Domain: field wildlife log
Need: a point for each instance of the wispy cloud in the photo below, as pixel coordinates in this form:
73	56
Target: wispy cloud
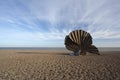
44	20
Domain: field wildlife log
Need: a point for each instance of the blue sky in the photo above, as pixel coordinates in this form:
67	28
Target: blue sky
45	23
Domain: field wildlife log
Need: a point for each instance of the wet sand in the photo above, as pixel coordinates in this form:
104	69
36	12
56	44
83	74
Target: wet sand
58	65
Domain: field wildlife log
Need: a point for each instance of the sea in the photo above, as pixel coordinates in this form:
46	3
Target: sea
56	48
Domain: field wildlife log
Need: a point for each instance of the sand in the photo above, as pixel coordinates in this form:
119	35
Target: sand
58	65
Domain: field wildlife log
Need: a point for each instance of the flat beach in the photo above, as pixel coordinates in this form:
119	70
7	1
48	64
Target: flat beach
58	65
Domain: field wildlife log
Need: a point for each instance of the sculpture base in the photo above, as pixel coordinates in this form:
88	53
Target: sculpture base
76	53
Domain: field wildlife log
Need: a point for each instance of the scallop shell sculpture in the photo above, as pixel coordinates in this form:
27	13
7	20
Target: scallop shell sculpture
80	42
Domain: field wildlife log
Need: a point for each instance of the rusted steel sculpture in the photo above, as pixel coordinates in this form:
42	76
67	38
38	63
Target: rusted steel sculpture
80	42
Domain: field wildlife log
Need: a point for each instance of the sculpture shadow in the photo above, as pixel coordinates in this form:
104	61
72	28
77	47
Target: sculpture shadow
31	53
42	53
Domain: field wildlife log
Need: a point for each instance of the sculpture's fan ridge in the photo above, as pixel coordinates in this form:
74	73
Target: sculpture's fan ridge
80	42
